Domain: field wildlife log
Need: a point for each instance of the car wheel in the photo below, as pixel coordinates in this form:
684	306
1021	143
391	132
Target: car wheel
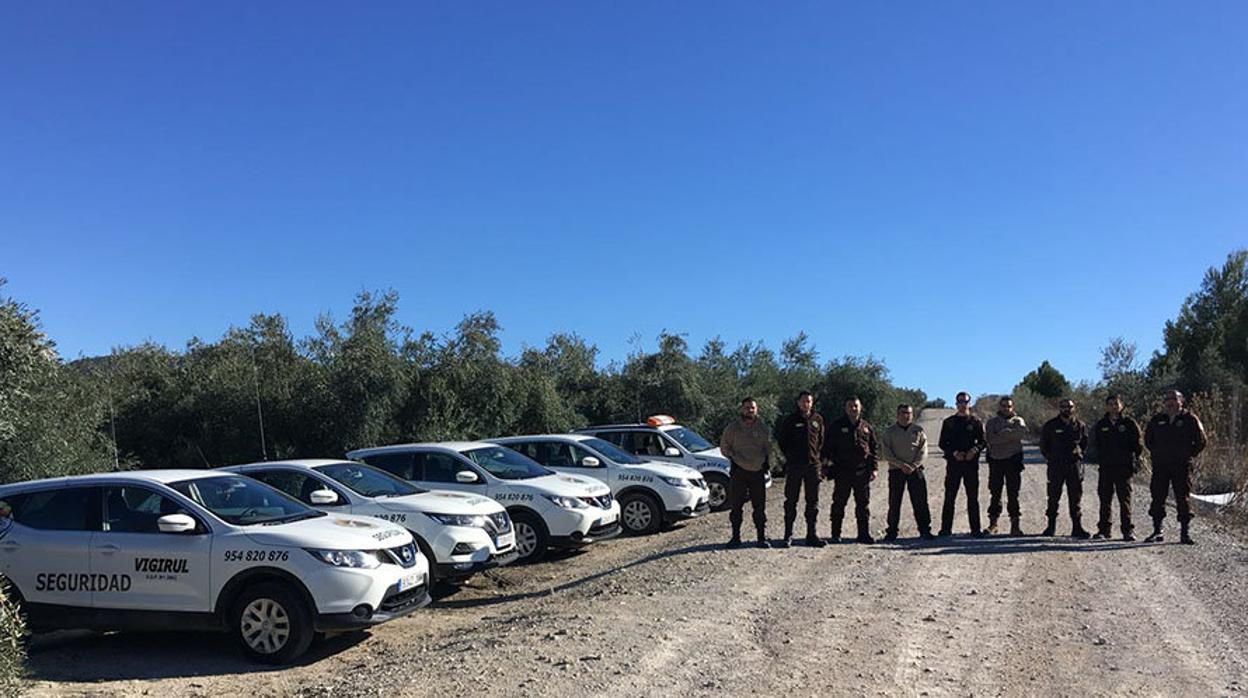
640	514
273	624
717	492
531	537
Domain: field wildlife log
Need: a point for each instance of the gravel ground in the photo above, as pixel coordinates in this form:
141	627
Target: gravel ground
676	613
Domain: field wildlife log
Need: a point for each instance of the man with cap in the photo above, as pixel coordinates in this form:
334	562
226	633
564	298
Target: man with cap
1118	450
1174	438
1063	442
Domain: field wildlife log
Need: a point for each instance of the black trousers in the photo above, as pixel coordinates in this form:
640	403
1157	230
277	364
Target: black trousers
916	482
958	474
1007	474
858	484
1070	477
1111	480
742	485
1166	476
794	479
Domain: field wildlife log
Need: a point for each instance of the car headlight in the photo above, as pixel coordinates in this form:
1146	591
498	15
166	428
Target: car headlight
676	481
360	559
471	520
566	502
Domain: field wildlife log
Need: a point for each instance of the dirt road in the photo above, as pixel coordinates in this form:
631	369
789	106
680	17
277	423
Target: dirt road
677	614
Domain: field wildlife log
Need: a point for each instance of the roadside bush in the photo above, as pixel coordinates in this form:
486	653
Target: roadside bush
1223	467
12	651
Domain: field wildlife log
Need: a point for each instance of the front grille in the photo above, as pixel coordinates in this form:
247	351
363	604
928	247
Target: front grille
403	555
500	523
603	502
698	482
403	600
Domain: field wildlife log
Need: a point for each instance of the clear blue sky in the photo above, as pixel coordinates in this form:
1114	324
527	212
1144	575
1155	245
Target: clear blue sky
1023	180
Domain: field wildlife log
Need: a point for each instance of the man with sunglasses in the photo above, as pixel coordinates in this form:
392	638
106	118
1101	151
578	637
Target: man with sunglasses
1004	433
1063	441
961	440
1174	438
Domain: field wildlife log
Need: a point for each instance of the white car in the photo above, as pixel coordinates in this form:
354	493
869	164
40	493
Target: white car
460	534
661	438
650	493
201	550
548	509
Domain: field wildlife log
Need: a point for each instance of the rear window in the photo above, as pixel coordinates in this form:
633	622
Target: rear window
75	509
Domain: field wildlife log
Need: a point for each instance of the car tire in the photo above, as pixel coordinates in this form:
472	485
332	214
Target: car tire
272	623
640	514
717	491
532	538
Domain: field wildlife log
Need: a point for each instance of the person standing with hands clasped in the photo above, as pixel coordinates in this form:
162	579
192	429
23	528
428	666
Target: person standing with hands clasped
746	444
1118	450
962	440
851	447
905	447
1174	438
800	434
1004	433
1063	441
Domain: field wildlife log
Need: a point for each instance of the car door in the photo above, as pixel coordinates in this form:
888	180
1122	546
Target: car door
300	484
439	470
144	568
46	548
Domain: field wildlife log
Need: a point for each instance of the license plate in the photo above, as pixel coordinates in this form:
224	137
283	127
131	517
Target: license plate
412	580
506	541
608	519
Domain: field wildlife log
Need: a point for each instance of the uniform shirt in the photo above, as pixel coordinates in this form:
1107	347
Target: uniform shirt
851	447
801	438
1177	440
959	433
1004	436
1062	442
904	445
746	443
1117	442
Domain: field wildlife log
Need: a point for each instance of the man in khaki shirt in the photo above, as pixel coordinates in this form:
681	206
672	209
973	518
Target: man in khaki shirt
1004	434
746	443
905	447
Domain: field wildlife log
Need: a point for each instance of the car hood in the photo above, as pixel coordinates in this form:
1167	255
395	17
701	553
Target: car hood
664	469
562	485
333	532
442	502
710	454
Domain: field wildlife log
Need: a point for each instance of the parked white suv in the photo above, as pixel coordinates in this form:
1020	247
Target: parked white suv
460	534
548	509
661	438
201	550
650	493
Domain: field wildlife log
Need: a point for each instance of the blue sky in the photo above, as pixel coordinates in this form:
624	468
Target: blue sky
961	189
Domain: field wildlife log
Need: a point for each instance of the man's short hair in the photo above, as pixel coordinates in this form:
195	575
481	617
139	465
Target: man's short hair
903	407
968	396
805	393
1113	397
852	398
747	398
1004	399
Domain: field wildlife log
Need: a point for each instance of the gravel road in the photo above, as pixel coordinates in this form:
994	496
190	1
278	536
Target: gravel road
677	614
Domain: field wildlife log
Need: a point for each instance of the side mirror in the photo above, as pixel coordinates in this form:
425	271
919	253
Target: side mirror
672	452
323	497
175	523
590	462
467	477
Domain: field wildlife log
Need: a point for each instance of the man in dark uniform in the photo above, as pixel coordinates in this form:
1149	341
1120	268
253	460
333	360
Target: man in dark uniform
1063	442
961	440
1118	451
800	435
852	447
1174	438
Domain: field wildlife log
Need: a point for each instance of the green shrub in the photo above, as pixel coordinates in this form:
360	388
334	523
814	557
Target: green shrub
12	651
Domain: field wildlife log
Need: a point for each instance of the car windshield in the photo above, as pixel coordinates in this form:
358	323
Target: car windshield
367	480
506	464
242	501
613	452
689	439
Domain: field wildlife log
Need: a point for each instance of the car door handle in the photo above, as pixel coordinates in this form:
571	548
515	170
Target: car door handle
108	548
10	546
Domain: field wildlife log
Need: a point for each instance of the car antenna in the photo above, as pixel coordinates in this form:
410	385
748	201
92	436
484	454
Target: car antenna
255	375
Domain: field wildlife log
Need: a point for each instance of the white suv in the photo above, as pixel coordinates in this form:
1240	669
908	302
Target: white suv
661	438
650	493
548	509
460	534
201	550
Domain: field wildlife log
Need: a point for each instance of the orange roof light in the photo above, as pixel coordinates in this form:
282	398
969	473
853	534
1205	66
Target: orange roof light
660	420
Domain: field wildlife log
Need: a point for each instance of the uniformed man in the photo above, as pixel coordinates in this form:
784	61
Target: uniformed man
852	448
905	447
1118	450
961	440
1004	434
746	444
800	434
1174	438
1063	442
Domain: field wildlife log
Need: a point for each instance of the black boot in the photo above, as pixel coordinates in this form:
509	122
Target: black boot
1078	531
1051	529
788	536
835	537
1015	529
735	541
1184	535
864	535
992	526
1158	535
762	540
813	540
